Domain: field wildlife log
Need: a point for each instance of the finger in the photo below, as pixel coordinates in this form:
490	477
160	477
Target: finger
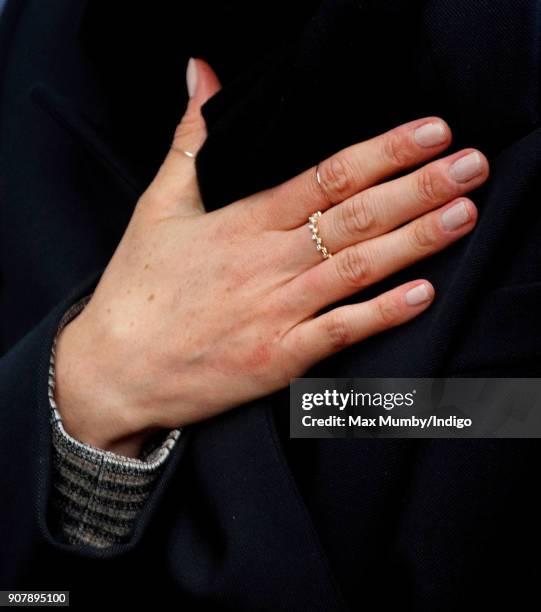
353	169
175	185
383	208
363	264
337	329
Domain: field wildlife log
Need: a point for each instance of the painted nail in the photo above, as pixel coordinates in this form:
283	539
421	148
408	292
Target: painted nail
191	77
455	217
418	295
430	135
466	168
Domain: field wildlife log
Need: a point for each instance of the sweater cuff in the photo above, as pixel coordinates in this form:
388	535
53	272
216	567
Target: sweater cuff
97	494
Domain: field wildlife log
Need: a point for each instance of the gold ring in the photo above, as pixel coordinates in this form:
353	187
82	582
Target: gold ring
313	225
320	183
187	153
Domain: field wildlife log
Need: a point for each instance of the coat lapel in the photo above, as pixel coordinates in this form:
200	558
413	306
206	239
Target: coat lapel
66	115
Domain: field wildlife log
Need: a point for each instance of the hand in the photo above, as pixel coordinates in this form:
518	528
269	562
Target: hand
199	312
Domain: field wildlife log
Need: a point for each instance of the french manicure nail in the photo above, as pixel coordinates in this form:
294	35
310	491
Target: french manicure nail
418	295
430	135
466	168
455	217
191	77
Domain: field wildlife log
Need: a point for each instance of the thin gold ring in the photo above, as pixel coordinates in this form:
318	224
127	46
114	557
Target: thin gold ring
187	153
318	177
320	183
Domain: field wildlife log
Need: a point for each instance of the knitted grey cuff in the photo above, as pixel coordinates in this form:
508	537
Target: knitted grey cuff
98	495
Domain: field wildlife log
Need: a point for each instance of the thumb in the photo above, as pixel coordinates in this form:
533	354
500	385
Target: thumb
202	83
175	185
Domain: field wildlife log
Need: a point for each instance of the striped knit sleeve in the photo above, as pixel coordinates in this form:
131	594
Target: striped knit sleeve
98	495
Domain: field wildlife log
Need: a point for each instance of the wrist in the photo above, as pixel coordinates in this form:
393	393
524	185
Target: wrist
95	410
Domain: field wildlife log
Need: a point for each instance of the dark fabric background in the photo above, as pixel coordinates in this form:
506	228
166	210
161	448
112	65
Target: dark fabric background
245	518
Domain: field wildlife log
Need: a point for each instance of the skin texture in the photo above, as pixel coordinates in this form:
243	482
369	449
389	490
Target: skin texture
199	312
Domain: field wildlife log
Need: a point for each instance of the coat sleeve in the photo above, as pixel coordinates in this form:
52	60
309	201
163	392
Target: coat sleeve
98	495
31	524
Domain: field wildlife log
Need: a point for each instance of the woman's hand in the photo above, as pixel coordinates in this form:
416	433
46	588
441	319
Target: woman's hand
199	312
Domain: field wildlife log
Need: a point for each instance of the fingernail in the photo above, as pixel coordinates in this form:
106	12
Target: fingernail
418	295
191	77
466	168
430	135
455	217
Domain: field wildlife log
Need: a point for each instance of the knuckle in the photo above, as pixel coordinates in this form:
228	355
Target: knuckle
423	236
353	267
429	186
338	330
395	149
357	216
250	214
336	177
387	312
188	125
